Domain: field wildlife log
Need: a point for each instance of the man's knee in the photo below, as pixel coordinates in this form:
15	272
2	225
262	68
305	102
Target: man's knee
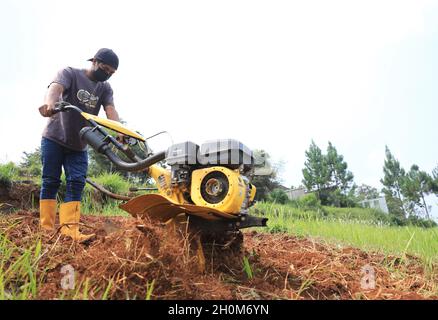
49	187
75	166
51	182
76	181
75	186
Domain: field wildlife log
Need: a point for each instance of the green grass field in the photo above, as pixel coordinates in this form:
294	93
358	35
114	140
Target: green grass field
353	226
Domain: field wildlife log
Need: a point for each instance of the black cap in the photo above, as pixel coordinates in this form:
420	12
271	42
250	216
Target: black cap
107	56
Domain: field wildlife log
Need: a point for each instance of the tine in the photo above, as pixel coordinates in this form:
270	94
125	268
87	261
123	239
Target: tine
159	208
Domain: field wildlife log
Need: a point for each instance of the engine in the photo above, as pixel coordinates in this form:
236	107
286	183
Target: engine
214	174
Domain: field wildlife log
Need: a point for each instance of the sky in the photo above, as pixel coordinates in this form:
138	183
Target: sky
273	74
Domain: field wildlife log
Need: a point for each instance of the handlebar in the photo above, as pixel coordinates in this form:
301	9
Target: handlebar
65	106
100	140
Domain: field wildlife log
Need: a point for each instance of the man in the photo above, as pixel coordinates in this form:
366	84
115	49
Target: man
61	145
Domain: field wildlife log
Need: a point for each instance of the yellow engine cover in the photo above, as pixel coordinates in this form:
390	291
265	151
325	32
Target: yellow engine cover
113	125
234	199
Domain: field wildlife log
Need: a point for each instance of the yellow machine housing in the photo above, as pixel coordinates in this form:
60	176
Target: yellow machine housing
113	125
170	200
161	176
236	198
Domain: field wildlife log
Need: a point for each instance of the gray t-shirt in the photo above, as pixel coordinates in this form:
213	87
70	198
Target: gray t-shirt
84	93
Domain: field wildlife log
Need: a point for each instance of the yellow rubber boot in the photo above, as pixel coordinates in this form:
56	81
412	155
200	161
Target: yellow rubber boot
69	215
47	213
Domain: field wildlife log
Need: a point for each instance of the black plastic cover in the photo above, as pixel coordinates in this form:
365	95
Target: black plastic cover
229	153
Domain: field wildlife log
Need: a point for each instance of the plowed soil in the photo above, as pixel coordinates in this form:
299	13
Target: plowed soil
136	259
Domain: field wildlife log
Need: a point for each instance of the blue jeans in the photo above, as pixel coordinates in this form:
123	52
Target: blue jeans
55	156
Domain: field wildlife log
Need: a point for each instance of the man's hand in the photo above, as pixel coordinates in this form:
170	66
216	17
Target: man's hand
111	113
121	138
46	110
53	95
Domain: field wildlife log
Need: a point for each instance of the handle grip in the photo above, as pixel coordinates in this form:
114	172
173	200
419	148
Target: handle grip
60	106
57	109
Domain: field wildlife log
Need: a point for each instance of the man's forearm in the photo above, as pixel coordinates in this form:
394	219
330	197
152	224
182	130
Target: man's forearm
111	113
52	96
53	93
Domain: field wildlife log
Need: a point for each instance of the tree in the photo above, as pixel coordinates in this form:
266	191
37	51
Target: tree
366	192
392	181
278	196
340	177
340	180
316	173
435	181
415	185
327	175
98	163
30	164
435	173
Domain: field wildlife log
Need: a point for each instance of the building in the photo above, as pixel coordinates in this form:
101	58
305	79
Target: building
378	203
294	194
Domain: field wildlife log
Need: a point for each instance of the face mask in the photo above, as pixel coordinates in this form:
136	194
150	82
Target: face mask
100	75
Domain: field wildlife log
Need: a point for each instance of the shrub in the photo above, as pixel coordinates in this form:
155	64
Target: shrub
278	228
420	222
8	172
113	182
278	196
309	201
